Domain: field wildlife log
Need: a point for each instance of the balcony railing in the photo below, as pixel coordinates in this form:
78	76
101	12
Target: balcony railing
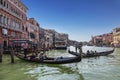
13	28
9	11
3	25
10	27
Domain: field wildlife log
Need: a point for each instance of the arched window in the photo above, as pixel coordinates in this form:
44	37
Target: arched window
0	18
4	4
32	35
26	29
22	27
1	1
4	20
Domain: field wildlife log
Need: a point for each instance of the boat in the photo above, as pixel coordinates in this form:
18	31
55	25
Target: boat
59	60
84	55
60	44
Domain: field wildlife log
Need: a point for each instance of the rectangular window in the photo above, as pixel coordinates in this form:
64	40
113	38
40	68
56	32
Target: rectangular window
7	20
7	5
13	34
23	27
4	20
13	23
4	3
1	1
18	25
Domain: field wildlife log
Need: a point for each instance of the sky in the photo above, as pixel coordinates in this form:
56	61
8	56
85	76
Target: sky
80	19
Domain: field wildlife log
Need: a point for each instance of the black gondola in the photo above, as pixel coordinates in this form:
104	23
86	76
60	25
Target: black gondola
59	60
92	55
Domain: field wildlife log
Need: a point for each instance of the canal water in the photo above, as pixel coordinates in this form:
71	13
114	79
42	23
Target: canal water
99	68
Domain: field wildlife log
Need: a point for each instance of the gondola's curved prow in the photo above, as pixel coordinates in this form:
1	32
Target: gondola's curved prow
60	60
83	55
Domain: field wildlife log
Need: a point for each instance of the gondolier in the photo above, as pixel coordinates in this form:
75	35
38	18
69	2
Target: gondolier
25	48
80	51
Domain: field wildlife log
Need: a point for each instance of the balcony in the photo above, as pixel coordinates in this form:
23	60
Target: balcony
10	27
19	30
10	12
3	25
13	28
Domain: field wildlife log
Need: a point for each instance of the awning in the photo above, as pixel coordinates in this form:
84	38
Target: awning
21	41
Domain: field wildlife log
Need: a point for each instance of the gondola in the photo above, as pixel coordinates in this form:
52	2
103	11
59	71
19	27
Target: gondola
84	55
59	60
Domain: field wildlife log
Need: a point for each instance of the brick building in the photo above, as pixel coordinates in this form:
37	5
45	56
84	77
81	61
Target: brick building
33	30
104	39
12	21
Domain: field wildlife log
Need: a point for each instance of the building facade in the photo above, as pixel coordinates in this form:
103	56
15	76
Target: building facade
12	21
15	25
41	37
33	28
97	40
103	40
108	39
116	37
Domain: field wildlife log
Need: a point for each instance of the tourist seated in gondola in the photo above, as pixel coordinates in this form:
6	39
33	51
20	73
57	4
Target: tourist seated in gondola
33	50
33	56
91	52
42	56
88	52
95	52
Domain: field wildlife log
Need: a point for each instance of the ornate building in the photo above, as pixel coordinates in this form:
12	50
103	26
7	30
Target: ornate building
104	39
12	21
33	30
116	37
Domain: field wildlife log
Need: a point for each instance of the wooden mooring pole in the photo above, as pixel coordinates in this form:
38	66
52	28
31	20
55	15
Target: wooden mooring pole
12	55
44	48
1	52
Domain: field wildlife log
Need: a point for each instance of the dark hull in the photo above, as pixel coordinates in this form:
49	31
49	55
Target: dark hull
105	53
62	60
61	48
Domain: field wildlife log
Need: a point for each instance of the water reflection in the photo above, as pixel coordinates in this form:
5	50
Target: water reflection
117	55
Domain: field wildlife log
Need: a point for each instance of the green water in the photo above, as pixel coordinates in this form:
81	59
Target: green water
100	68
